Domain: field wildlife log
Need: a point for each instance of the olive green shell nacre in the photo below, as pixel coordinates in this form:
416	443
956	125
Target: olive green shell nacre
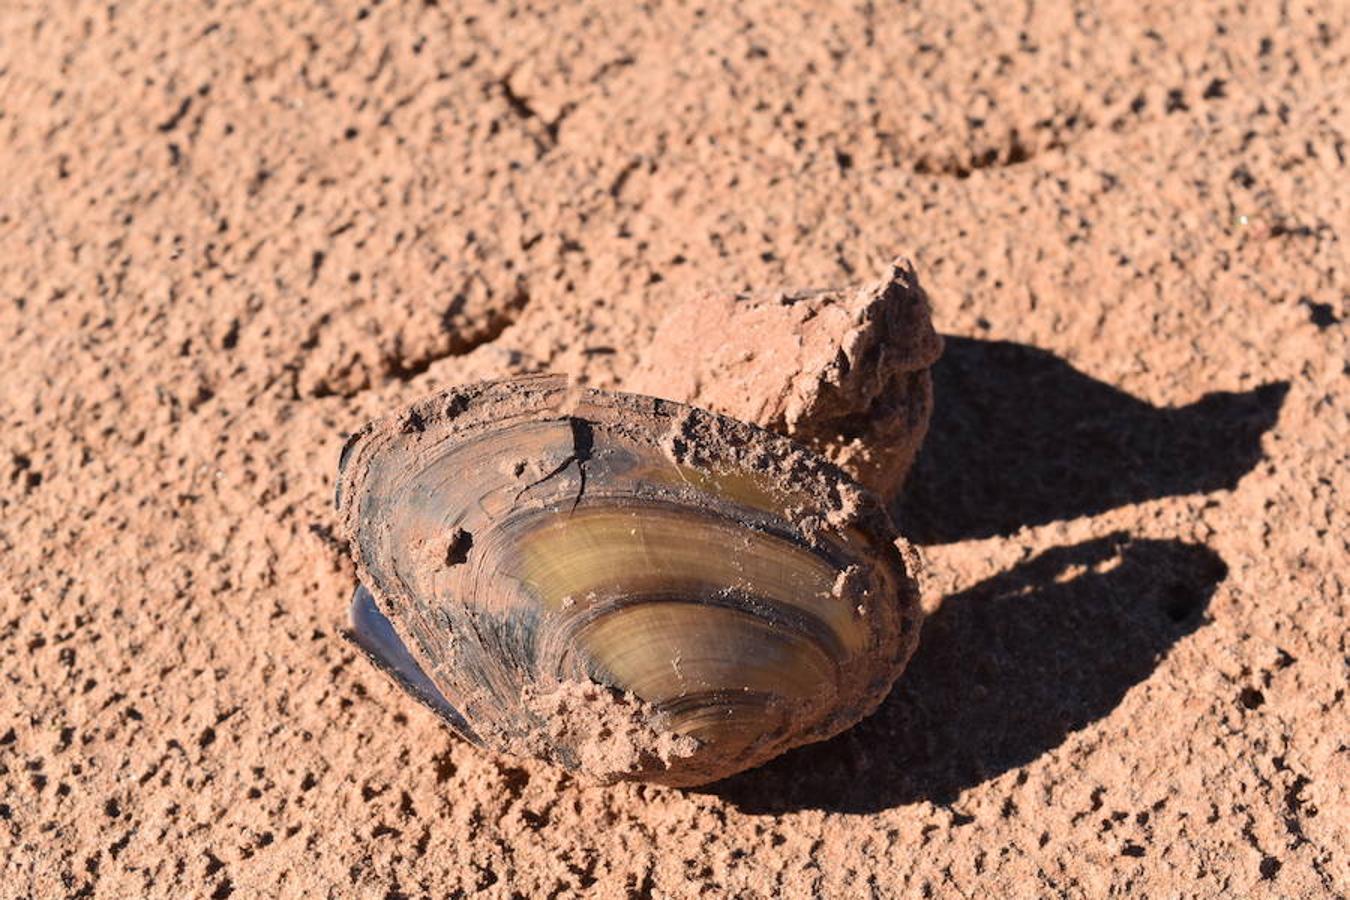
627	587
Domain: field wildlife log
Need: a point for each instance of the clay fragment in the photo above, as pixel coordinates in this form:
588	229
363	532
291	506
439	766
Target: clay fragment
845	372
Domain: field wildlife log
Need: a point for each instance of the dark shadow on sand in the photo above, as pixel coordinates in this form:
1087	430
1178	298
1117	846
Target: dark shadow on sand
1005	671
1020	437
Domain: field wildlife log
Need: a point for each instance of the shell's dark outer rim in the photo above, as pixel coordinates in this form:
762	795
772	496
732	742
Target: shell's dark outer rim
454	411
375	636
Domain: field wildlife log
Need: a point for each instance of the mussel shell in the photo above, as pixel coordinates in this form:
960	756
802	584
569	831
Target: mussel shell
629	587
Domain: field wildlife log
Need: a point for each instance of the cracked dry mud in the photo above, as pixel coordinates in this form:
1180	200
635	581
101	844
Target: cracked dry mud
231	234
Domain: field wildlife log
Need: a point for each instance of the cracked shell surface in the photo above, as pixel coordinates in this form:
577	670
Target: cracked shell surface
626	587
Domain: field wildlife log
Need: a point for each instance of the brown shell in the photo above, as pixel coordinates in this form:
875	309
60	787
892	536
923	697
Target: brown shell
628	587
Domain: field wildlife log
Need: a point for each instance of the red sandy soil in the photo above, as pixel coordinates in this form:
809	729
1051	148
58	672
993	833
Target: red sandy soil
232	233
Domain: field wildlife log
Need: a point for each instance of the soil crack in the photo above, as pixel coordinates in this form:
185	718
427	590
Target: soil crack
544	132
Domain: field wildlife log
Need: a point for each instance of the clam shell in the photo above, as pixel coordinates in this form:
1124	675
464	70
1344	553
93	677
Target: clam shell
628	587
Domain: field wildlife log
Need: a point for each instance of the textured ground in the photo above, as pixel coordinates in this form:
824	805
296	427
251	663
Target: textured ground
231	232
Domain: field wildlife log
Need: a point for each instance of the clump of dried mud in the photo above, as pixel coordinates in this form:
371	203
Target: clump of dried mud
842	371
228	235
